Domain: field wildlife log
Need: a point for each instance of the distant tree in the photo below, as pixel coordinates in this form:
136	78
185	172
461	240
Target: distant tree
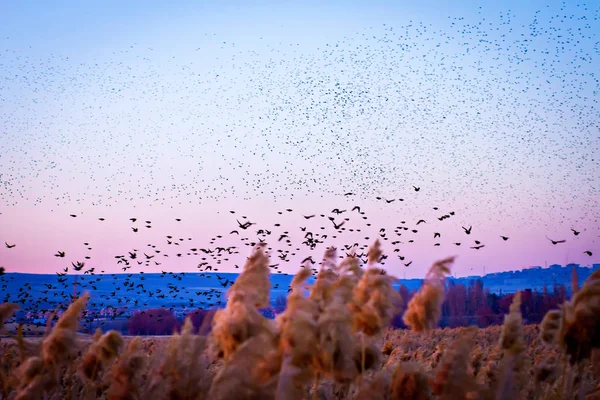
486	316
198	318
405	294
155	321
280	304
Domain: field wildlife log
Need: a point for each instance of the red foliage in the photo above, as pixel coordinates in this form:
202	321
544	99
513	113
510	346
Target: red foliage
155	321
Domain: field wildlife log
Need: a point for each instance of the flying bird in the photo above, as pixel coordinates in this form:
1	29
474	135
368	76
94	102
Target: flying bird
468	231
9	246
245	225
556	241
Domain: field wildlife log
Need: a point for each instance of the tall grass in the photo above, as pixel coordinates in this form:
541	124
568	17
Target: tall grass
333	341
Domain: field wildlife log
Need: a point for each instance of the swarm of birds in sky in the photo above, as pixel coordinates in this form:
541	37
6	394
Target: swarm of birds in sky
453	127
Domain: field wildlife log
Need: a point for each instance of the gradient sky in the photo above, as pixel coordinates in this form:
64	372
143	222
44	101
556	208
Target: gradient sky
191	109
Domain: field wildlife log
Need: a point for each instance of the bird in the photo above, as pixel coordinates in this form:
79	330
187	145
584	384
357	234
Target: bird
505	238
338	226
556	241
421	221
308	216
436	235
589	253
78	266
416	188
575	232
468	231
245	225
478	247
60	254
9	246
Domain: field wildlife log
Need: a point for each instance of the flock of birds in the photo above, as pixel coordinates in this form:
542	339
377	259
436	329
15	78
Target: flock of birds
168	289
497	111
496	108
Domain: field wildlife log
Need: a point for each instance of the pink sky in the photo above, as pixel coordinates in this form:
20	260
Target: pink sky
39	234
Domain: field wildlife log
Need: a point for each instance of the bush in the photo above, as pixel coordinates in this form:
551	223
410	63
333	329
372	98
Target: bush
155	321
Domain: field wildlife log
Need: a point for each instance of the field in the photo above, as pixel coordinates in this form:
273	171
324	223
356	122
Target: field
333	341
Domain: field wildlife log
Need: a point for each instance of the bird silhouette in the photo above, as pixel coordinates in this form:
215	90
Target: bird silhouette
467	231
556	241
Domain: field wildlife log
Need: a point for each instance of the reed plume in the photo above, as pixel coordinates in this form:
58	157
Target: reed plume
452	377
513	346
550	326
101	352
6	311
580	332
409	382
122	379
240	320
425	308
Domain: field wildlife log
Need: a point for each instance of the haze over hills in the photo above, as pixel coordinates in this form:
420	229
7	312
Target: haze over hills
182	291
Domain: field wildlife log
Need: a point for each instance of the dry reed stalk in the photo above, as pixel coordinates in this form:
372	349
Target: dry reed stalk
513	345
335	342
41	374
237	378
580	332
453	379
298	342
254	282
6	311
101	352
409	382
550	326
240	320
378	388
121	379
424	309
181	373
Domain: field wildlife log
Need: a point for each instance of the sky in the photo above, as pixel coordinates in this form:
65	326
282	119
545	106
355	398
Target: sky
190	110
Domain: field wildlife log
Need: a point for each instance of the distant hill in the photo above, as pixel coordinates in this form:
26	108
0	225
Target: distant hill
206	290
